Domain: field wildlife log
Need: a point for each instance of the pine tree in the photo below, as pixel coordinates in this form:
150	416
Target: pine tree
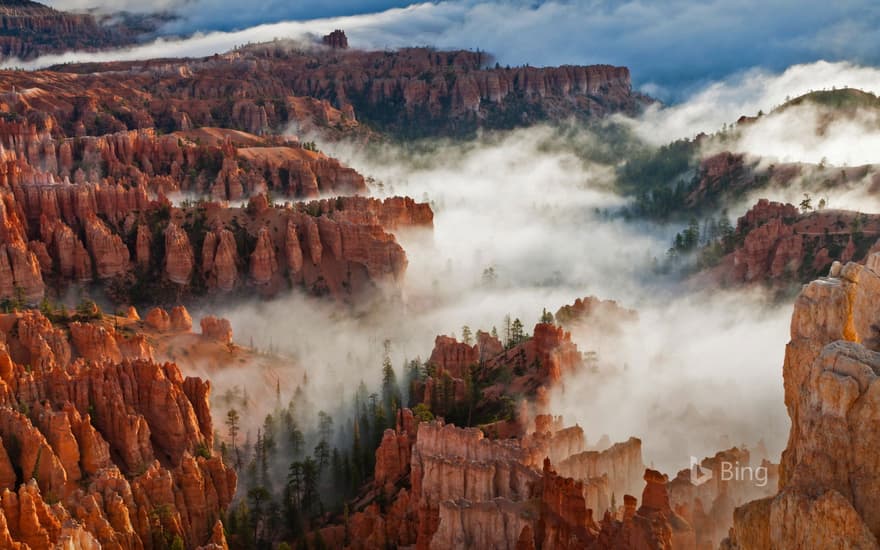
806	204
311	500
337	470
269	428
466	335
390	389
261	461
295	483
325	426
232	420
413	377
516	332
295	437
547	317
357	471
322	454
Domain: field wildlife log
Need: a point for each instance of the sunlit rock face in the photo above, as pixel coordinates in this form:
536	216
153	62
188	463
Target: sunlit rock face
95	436
226	164
449	487
406	92
828	482
117	228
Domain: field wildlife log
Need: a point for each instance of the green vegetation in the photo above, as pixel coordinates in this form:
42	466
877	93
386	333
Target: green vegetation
701	246
323	466
838	99
660	180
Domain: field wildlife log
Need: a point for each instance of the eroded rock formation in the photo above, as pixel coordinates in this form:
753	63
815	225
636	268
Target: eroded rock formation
95	437
216	328
528	369
336	40
449	487
828	485
126	165
776	242
734	477
410	91
29	29
332	246
605	316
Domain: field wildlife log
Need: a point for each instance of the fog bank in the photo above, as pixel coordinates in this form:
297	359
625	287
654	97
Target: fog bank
540	218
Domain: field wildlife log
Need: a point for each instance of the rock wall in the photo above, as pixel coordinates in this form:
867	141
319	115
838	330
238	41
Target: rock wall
72	233
29	29
410	91
621	464
774	242
96	438
228	165
828	484
450	487
525	369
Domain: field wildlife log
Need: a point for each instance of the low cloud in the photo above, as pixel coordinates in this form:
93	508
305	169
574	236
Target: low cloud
723	102
808	133
678	378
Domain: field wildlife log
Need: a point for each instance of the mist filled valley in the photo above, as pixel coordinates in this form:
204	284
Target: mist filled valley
268	284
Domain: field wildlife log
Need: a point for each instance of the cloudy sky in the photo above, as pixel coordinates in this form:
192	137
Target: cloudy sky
672	46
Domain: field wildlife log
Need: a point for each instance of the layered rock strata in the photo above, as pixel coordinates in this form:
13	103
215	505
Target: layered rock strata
828	483
100	446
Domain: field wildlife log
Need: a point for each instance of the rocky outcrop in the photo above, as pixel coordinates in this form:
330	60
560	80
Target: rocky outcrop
731	478
20	274
264	265
29	29
453	357
566	518
220	260
621	464
336	246
109	253
462	490
158	319
460	464
526	369
394	454
336	40
414	78
124	166
216	328
179	257
723	176
409	91
605	316
775	242
827	485
94	438
180	319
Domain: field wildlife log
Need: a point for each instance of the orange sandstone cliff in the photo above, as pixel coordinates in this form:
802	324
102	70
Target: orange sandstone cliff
100	446
827	487
777	243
